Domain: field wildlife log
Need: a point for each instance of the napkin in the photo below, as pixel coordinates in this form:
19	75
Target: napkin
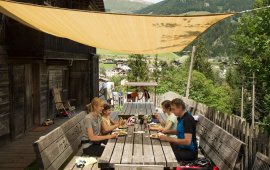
140	132
87	160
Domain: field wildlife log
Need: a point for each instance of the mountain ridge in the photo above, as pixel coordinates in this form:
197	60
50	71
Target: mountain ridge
125	6
168	7
217	38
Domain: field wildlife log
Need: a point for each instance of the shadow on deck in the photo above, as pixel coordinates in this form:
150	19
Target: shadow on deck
20	153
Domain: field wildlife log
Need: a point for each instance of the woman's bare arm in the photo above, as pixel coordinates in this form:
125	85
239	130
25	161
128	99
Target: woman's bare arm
93	137
169	125
106	128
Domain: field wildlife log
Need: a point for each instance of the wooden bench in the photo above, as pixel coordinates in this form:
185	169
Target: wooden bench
221	147
56	148
261	162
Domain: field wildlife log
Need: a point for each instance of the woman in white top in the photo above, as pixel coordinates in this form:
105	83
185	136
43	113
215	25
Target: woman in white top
108	124
171	121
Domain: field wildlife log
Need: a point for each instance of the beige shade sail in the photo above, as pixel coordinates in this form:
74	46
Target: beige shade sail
135	34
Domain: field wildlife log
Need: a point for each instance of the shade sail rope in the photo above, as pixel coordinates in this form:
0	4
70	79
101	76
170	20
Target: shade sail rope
252	10
126	33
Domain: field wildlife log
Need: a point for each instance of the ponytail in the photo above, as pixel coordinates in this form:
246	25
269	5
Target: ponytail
166	104
95	101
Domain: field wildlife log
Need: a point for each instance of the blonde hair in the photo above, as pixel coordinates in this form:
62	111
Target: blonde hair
95	102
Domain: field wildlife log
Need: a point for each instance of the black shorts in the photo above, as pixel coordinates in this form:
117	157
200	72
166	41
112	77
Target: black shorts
95	149
184	154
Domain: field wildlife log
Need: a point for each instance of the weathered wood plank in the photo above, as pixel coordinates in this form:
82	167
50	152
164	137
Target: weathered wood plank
52	136
148	154
4	124
133	110
72	162
138	167
53	151
65	155
153	109
148	109
128	148
218	143
104	161
158	151
118	150
54	148
128	106
141	109
138	146
124	107
261	162
214	156
169	155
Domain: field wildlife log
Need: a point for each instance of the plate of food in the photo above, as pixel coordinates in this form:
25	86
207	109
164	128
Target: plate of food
119	129
123	127
121	133
154	136
155	126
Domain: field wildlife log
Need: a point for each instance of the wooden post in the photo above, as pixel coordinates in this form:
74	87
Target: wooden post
242	102
155	96
253	99
127	95
190	71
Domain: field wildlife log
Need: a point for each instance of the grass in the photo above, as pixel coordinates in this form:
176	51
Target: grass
106	66
106	53
109	53
165	56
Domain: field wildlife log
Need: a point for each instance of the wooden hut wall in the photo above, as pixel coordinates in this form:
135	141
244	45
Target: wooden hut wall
58	78
94	76
31	64
4	99
82	81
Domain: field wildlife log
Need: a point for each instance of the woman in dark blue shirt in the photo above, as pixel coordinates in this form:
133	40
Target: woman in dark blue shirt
184	146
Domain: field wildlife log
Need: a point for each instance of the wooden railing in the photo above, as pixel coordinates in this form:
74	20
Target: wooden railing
256	139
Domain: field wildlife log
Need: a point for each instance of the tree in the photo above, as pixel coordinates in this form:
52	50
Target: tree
234	80
139	70
102	70
156	71
253	47
117	82
201	63
203	90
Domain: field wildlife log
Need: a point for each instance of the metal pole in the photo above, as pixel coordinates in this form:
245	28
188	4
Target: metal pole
190	71
253	99
242	102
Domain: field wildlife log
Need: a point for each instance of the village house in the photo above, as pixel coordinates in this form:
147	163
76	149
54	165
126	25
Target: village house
116	72
109	61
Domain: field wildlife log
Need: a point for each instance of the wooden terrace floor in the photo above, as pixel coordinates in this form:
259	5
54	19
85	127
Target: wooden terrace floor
20	153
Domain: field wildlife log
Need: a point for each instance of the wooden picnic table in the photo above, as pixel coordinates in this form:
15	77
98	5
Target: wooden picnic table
137	149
